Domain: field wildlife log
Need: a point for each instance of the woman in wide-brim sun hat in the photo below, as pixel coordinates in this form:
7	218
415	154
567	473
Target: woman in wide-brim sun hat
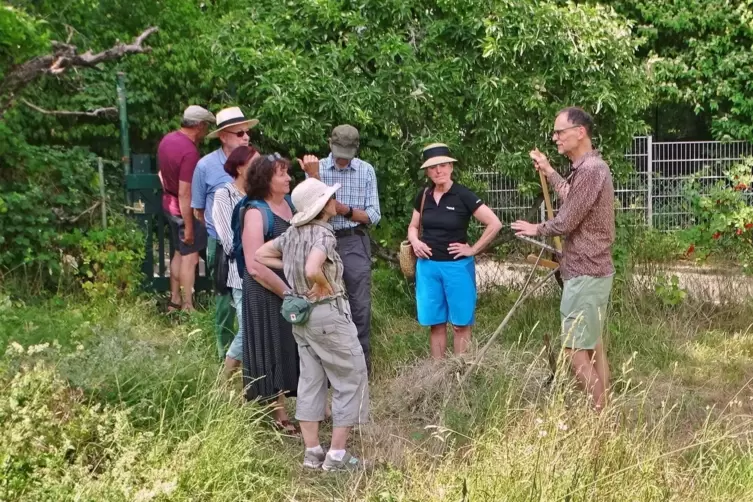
445	268
328	341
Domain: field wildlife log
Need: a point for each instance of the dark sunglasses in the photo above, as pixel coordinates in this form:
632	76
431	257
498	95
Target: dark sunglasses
239	134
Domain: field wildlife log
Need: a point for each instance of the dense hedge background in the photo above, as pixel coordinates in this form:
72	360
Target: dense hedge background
485	76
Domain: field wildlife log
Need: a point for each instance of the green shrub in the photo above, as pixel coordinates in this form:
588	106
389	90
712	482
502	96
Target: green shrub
723	217
42	196
106	262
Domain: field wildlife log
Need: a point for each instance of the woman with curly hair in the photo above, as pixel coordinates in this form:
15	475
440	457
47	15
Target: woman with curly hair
270	353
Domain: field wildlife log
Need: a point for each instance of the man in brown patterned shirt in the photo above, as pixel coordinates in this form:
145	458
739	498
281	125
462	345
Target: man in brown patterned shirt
586	219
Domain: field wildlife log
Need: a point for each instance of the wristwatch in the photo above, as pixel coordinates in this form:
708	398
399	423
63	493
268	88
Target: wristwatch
349	214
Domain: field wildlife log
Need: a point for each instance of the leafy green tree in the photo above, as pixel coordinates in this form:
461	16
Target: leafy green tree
701	56
485	76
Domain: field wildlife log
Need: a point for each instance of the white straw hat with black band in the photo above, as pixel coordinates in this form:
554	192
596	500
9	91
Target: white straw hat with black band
435	154
228	117
309	198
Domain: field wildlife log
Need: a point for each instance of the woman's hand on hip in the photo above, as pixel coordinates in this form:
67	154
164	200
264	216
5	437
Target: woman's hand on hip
319	291
421	249
460	250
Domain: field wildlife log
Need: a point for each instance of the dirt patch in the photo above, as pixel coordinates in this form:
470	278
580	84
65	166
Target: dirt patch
706	284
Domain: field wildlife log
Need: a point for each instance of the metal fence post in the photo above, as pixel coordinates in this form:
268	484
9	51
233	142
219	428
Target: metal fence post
650	181
125	144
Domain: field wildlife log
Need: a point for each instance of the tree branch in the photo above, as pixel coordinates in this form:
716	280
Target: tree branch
63	57
110	110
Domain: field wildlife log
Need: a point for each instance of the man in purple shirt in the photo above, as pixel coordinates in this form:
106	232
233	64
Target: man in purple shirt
177	156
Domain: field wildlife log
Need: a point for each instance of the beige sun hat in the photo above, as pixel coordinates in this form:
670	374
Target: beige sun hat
229	117
309	198
435	154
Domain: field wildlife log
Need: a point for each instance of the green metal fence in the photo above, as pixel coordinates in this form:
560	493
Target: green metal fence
144	205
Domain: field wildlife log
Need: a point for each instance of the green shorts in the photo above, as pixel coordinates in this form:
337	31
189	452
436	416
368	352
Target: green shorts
583	310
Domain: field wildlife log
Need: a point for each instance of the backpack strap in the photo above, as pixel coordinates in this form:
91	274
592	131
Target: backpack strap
289	200
267	217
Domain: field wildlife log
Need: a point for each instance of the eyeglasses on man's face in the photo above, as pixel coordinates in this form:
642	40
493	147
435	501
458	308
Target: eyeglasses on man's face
557	132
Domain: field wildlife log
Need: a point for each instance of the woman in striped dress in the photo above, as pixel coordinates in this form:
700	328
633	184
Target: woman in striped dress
225	200
270	353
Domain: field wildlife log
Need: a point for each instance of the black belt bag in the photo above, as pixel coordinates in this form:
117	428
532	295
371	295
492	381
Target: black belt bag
344	232
221	270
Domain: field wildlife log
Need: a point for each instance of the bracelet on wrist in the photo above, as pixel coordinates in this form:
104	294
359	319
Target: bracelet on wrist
349	214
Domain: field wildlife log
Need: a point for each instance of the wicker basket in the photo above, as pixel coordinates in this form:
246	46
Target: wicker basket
407	260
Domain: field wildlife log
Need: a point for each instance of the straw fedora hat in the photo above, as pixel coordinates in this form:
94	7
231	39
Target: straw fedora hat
309	198
229	117
435	154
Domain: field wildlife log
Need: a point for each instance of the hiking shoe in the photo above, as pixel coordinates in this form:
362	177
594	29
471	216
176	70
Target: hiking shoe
313	460
348	463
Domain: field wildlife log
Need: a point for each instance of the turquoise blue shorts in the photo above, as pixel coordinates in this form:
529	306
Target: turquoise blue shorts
446	291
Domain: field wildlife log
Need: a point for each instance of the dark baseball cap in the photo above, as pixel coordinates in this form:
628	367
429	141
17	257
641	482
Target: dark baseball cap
344	141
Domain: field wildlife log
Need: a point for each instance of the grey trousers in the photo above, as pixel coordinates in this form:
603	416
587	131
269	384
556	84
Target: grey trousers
329	350
355	251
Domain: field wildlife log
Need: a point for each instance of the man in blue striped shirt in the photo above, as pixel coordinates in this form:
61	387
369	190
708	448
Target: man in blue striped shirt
357	210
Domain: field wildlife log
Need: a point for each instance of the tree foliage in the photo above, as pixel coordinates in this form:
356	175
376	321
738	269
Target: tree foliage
701	55
484	76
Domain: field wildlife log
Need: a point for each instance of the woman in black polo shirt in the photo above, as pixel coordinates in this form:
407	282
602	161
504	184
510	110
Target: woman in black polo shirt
446	272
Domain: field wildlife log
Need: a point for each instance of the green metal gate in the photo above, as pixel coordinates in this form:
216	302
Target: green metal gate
144	205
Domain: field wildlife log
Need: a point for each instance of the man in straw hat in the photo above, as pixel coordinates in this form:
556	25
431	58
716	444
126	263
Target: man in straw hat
177	156
357	208
233	131
586	218
328	343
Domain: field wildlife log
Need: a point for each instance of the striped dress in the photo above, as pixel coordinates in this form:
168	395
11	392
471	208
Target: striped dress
270	353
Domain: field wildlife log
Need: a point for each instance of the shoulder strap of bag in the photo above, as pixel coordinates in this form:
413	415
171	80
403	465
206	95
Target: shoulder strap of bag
421	215
267	217
289	200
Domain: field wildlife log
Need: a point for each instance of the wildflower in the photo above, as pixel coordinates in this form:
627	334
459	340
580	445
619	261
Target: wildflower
562	426
79	347
716	235
749	225
542	433
739	231
539	421
690	250
36	349
16	347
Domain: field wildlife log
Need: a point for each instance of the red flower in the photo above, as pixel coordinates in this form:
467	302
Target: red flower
749	225
716	235
739	231
740	186
690	249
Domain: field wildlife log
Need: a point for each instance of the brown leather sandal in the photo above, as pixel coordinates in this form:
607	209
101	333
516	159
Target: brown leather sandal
287	428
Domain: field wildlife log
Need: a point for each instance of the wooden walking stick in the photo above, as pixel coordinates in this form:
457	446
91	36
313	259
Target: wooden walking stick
548	203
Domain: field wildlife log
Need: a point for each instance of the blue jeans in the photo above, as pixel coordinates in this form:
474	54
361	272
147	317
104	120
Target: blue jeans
235	350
